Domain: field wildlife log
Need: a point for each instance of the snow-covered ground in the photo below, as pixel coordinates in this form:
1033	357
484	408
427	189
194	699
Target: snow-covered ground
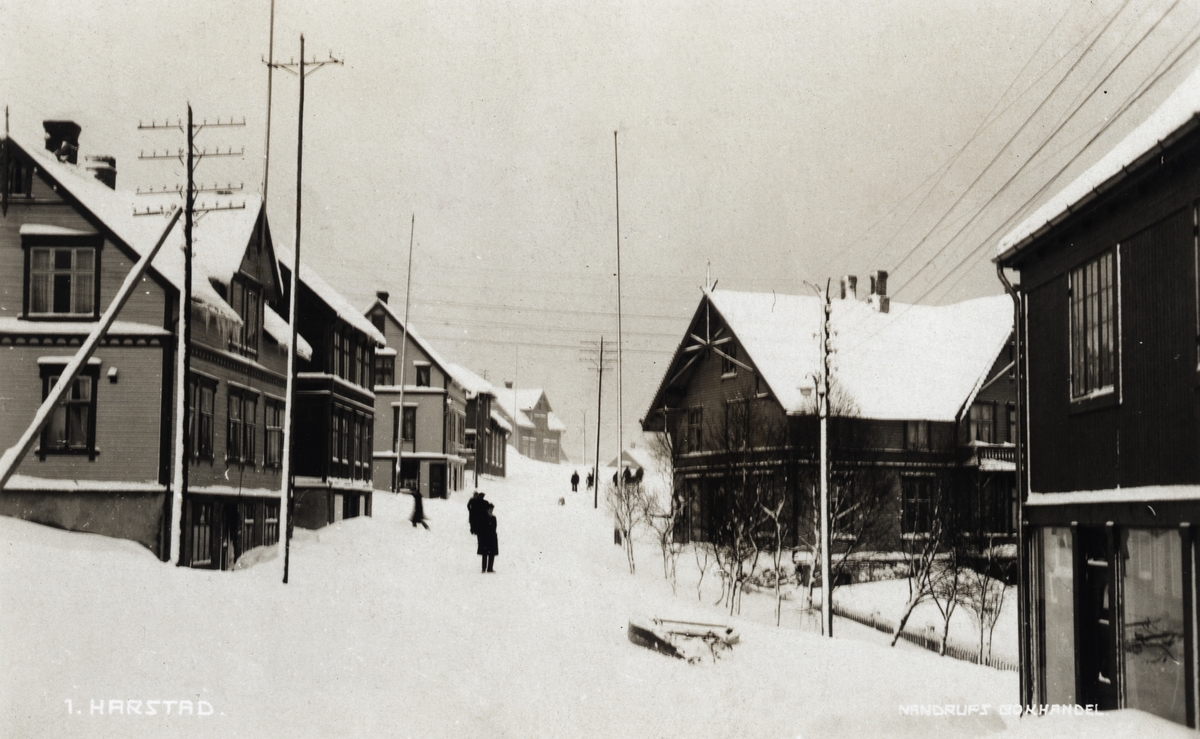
390	630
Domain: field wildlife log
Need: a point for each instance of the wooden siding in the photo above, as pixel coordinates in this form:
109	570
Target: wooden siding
128	413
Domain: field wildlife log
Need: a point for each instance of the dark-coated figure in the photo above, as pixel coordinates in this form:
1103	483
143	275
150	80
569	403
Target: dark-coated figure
489	545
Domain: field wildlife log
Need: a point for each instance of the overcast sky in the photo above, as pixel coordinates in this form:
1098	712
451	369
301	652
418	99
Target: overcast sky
768	142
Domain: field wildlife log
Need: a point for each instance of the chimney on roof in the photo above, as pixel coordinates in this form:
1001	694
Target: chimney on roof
508	384
105	169
382	295
849	287
62	138
878	299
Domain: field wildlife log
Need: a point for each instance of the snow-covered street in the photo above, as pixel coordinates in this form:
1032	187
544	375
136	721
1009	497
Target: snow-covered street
391	630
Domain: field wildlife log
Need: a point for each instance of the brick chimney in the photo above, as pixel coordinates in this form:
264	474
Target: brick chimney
62	138
105	169
382	295
508	384
849	287
878	299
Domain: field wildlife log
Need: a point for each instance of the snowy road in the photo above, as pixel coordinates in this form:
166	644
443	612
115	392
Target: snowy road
387	630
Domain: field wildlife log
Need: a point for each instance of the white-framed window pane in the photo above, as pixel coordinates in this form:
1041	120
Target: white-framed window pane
1155	657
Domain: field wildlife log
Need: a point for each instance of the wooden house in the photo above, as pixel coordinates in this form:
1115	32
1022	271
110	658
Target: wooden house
917	405
1110	325
105	463
487	431
537	430
421	411
334	420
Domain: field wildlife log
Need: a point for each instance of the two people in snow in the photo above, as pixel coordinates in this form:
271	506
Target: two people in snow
483	525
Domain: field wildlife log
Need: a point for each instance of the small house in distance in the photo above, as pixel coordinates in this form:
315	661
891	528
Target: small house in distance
537	431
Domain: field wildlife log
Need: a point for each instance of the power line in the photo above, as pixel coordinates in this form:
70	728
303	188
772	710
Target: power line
1003	149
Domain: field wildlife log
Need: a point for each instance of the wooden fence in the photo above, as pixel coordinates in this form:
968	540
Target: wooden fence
933	645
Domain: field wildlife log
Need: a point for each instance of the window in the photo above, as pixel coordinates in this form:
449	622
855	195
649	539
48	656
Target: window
273	437
410	424
728	365
364	365
1010	412
201	392
695	418
20	177
917	504
378	321
353	354
347	366
1093	298
916	435
241	426
550	449
71	428
1058	614
737	423
1153	622
62	281
246	298
271	522
385	370
201	533
337	365
983	422
423	374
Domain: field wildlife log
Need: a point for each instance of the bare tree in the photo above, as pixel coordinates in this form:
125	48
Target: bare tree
949	578
779	529
922	532
663	508
626	500
984	595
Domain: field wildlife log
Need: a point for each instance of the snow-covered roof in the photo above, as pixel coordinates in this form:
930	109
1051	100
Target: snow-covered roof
504	402
1179	110
114	208
471	382
331	297
499	421
554	423
279	330
417	339
915	362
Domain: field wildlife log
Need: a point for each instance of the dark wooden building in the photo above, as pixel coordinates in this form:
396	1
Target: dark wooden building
921	402
334	419
537	431
1110	329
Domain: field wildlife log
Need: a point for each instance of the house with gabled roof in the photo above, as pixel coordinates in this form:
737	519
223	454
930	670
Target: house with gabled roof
1109	274
105	462
421	410
917	401
538	431
487	431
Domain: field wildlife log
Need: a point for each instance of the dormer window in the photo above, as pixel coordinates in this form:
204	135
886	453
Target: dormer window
423	375
246	298
61	277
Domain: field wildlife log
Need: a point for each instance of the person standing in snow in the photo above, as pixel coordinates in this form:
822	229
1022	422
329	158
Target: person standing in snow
591	479
418	514
489	546
475	511
575	481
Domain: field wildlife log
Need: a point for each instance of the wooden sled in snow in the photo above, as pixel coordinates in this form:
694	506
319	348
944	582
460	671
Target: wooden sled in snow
687	640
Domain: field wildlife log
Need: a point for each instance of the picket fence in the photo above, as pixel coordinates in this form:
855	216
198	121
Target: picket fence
921	640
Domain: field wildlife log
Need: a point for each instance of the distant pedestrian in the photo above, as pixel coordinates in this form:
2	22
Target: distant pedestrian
591	479
575	481
418	514
476	511
616	480
488	543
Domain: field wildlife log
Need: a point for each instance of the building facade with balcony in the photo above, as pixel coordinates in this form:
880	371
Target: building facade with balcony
919	400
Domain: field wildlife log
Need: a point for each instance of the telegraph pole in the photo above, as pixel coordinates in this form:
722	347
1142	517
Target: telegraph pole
301	69
190	160
601	357
823	412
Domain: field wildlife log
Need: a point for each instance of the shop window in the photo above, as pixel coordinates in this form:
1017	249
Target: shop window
1058	614
1153	641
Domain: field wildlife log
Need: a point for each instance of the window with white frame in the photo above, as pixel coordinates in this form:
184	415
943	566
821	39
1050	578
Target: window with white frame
982	420
1094	319
62	281
71	428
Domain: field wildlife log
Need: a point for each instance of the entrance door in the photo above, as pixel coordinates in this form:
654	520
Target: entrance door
1097	644
437	481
